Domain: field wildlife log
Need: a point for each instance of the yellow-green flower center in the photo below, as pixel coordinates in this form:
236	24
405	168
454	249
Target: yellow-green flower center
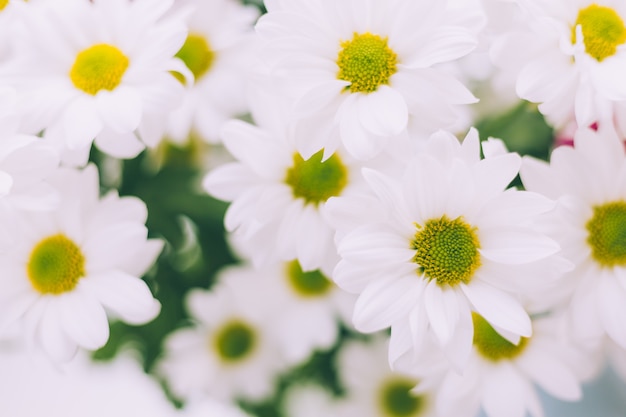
607	234
99	67
55	265
316	181
490	345
396	399
197	55
309	284
366	61
446	250
603	30
235	341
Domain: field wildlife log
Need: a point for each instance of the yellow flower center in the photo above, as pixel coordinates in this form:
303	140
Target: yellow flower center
99	67
367	62
490	345
235	341
607	234
309	284
446	250
316	181
197	55
603	30
396	399
3	4
55	265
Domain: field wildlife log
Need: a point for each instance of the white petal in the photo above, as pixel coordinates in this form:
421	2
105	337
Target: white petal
114	245
120	109
320	96
84	319
383	112
503	393
515	247
443	311
498	307
54	340
81	123
127	296
358	141
119	145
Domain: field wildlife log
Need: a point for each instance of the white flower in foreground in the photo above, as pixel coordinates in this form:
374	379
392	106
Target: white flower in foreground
218	53
363	72
446	239
100	70
117	388
373	390
570	59
500	374
589	180
229	353
66	268
278	197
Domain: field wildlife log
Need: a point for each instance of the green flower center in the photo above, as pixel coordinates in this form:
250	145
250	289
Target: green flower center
197	55
307	284
446	250
397	400
99	67
55	265
366	61
603	30
235	341
490	345
607	234
316	181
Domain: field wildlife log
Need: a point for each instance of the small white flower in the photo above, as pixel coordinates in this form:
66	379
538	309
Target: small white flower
66	268
590	225
374	390
278	197
218	52
229	353
447	239
569	58
362	72
100	70
501	371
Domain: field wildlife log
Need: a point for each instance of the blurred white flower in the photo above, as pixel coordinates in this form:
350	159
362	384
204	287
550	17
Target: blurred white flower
66	268
229	353
447	239
98	70
310	400
363	72
218	51
590	225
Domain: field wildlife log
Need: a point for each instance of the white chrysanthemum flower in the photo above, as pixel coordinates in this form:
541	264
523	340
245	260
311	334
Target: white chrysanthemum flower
569	59
100	70
218	53
65	269
307	308
230	352
278	197
590	225
501	373
373	389
117	388
447	239
362	72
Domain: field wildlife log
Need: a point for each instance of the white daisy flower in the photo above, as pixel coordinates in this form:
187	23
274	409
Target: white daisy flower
570	58
501	373
100	70
278	197
375	390
65	269
218	53
362	72
447	239
590	225
229	353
